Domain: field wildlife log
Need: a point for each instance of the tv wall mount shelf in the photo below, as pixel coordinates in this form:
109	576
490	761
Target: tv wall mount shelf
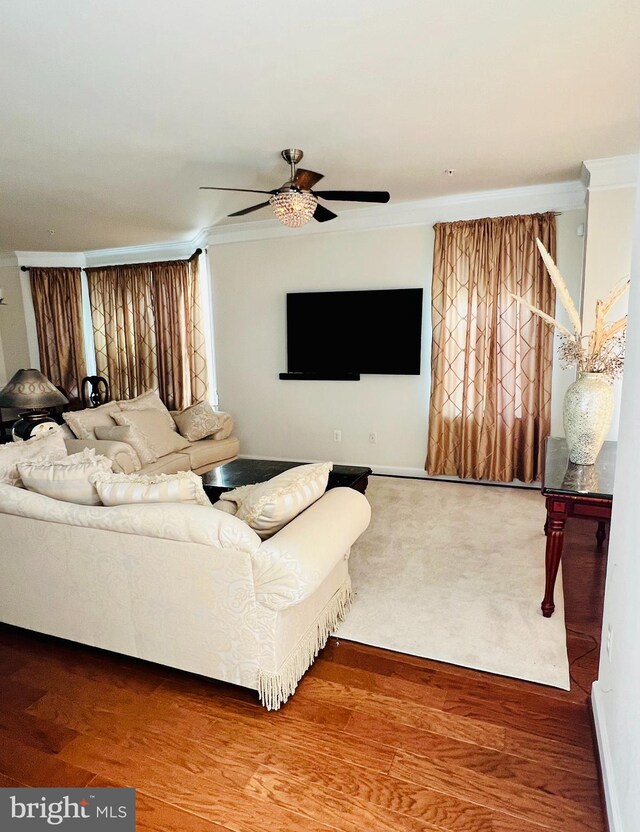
319	376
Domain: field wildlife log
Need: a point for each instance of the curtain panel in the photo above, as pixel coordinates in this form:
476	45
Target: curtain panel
491	365
148	331
57	303
182	364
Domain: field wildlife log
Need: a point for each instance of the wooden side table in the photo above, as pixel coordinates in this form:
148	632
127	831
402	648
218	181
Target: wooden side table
584	491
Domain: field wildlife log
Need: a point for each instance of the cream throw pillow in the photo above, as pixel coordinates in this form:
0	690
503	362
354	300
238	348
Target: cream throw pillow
128	489
49	446
138	442
149	400
84	422
67	479
270	505
201	420
131	437
152	424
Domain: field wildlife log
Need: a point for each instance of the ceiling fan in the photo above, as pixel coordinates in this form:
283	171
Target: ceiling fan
294	203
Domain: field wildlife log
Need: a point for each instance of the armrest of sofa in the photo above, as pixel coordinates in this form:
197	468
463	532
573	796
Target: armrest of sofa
291	565
123	457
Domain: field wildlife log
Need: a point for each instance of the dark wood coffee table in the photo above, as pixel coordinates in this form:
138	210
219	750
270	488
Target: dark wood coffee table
248	471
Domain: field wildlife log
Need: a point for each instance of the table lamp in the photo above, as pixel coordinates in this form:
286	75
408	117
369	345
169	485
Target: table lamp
31	392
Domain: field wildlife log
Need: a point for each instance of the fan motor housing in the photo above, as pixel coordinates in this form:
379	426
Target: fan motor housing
292	155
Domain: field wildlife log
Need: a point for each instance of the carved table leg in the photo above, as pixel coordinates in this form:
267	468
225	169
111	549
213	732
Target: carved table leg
556	519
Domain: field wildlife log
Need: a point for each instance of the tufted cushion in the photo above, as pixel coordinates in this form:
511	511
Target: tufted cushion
84	422
49	445
68	478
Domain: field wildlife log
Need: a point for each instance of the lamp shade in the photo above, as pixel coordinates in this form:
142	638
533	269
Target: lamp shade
31	390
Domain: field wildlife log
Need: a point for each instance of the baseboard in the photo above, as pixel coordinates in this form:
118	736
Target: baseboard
394	471
614	818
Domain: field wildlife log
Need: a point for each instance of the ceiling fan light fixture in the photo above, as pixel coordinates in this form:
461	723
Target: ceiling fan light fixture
294	208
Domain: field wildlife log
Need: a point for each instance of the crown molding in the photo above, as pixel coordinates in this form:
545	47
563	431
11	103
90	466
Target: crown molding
51	259
8	258
611	172
560	196
141	254
563	196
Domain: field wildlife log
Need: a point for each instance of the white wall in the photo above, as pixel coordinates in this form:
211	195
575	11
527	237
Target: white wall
607	259
296	419
13	327
616	694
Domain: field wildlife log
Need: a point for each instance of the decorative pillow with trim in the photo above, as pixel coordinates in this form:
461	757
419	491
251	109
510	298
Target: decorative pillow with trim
130	489
83	423
49	446
200	421
268	506
139	442
148	400
153	426
231	499
67	479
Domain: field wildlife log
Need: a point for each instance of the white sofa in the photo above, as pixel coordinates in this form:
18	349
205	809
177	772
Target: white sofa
186	586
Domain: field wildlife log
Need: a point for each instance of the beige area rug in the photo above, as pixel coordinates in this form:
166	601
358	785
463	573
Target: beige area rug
455	572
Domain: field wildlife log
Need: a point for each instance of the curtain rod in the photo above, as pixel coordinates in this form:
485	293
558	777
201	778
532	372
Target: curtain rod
196	253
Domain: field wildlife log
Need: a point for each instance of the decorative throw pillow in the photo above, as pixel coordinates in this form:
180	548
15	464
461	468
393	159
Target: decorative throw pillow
128	489
138	444
270	505
67	479
49	446
153	426
149	400
233	498
226	425
84	422
198	421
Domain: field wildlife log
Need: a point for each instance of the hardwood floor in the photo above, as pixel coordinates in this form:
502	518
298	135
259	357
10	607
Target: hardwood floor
372	740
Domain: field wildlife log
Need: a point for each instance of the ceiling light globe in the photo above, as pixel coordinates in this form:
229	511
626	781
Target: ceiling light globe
294	208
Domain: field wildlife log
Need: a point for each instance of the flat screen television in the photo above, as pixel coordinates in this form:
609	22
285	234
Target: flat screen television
332	334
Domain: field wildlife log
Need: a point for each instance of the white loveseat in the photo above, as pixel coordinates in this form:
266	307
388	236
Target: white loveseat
186	586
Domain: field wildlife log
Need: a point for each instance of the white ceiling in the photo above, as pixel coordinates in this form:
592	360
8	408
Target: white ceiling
112	112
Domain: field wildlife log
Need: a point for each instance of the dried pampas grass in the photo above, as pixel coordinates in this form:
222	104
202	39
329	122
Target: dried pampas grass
603	351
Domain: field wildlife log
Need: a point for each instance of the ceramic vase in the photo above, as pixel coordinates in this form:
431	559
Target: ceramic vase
588	408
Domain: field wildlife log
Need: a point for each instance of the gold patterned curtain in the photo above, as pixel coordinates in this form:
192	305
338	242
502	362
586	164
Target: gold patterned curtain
148	334
57	303
491	363
124	328
182	364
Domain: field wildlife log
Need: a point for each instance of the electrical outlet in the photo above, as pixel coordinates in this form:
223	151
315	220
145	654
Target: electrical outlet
337	436
373	438
609	641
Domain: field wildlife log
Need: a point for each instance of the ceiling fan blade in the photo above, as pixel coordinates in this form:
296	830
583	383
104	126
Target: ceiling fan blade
323	214
355	196
306	179
240	190
249	210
